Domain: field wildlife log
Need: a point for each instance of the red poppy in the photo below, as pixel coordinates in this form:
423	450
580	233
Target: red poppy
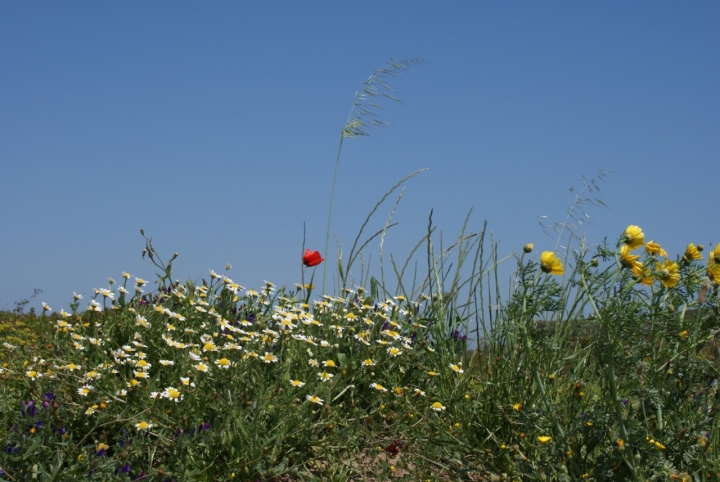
312	258
393	448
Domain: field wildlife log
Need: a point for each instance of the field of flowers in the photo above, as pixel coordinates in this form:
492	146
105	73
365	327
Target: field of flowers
601	366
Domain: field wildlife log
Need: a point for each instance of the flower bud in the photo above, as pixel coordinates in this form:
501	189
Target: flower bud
594	262
700	247
528	248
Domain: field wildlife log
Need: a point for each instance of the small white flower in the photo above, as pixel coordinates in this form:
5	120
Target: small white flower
84	390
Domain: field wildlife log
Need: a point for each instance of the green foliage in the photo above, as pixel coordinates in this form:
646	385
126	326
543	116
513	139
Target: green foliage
590	376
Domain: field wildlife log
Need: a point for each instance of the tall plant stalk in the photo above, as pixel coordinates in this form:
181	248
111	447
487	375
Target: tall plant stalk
362	116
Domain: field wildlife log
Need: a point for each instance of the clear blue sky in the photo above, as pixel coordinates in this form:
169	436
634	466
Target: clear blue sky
214	126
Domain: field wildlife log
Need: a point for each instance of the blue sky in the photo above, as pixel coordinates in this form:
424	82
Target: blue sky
214	127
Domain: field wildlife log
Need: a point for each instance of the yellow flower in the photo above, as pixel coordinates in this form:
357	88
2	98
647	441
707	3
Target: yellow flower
543	439
329	363
652	248
668	273
143	426
684	334
437	406
628	260
549	263
659	446
692	253
633	237
517	406
713	273
714	255
642	274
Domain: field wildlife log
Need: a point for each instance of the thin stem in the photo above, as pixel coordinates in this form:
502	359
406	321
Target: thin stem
332	196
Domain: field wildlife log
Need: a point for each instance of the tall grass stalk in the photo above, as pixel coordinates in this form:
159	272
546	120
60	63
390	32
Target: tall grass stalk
363	115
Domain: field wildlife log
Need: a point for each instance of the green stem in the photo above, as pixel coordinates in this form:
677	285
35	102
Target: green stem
611	378
332	196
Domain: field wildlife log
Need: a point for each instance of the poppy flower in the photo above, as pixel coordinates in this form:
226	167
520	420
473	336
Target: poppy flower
393	448
312	258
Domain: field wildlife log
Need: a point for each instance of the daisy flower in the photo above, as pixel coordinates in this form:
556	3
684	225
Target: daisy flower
201	367
297	383
368	362
456	368
223	363
84	390
325	376
209	346
329	363
143	426
166	363
314	399
437	406
378	387
269	358
172	394
394	351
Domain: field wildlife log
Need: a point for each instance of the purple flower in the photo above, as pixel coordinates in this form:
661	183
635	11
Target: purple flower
11	449
27	408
